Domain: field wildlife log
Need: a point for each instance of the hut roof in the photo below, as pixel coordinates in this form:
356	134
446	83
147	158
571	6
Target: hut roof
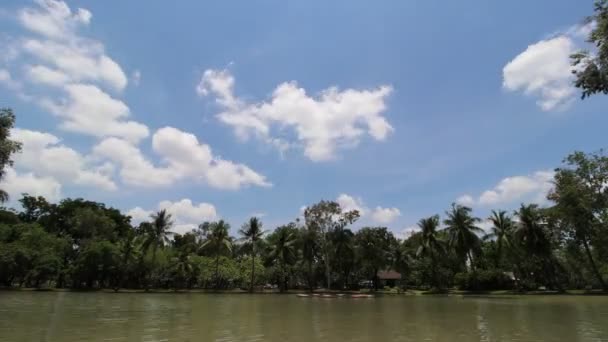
389	275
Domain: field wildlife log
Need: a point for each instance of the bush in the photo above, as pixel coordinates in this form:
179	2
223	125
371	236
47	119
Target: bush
483	280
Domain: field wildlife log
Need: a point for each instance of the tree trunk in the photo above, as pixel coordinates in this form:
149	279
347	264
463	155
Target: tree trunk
593	266
434	271
499	252
310	277
217	271
470	256
327	266
252	267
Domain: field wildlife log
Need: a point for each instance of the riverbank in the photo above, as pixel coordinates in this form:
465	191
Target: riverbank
451	292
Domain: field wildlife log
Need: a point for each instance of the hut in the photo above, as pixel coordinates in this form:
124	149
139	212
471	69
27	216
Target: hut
390	278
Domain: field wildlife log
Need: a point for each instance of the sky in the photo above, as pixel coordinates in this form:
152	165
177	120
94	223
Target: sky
229	109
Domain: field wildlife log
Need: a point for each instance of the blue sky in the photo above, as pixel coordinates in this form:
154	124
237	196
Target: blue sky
229	109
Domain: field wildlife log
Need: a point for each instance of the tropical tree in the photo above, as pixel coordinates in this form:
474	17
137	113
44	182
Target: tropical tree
591	68
325	217
529	230
581	203
218	241
310	252
7	146
501	232
283	251
344	252
463	233
157	232
373	245
252	233
431	245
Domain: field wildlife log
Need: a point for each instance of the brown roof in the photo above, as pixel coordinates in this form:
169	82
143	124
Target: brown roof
388	275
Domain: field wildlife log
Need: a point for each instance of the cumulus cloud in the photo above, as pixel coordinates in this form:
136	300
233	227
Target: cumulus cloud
55	57
333	120
16	184
544	69
43	154
350	203
385	215
466	200
377	215
186	215
183	157
103	115
74	78
514	189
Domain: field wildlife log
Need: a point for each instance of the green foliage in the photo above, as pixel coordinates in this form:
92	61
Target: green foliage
591	68
83	244
7	146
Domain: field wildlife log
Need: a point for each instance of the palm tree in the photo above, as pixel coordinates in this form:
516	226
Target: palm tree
501	231
531	236
182	269
157	232
430	244
252	232
462	232
529	231
219	241
283	251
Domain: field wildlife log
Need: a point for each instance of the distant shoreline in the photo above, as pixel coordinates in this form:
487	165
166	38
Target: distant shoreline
450	293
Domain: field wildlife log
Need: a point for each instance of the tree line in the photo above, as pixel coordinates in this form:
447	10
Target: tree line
84	244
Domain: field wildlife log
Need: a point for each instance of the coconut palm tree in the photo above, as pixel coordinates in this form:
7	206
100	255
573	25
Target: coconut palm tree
157	232
430	245
182	270
283	251
501	232
529	231
530	234
218	241
462	232
252	232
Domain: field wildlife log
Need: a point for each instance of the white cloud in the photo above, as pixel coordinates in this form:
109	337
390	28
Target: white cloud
53	19
7	80
16	184
43	154
349	203
408	231
466	200
90	110
76	70
183	157
516	189
60	44
544	69
485	225
45	75
334	120
385	215
185	214
377	215
139	215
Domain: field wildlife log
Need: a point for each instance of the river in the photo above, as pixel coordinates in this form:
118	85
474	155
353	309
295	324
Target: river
72	316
